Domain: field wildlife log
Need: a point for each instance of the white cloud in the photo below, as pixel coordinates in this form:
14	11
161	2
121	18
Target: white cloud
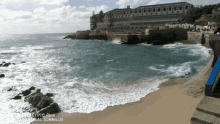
154	2
61	19
82	6
40	10
51	2
19	3
14	3
97	9
122	3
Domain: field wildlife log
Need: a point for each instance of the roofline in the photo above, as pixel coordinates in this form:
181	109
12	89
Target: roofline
165	4
147	6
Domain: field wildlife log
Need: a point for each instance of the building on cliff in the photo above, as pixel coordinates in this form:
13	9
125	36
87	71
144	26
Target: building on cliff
145	16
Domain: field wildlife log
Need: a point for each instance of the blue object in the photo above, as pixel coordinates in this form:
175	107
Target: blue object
212	76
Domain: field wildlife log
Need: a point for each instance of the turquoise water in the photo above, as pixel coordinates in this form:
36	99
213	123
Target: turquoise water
89	75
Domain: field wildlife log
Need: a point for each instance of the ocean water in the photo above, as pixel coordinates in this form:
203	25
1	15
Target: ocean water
88	75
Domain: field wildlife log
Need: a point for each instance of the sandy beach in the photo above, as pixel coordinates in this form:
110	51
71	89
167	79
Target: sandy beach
173	103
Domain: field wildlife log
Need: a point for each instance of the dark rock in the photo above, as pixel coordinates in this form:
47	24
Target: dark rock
70	36
158	42
23	62
9	89
53	108
44	102
2	75
132	39
35	99
32	88
26	92
17	97
4	64
49	94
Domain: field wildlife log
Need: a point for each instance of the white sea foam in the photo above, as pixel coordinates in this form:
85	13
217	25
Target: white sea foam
116	41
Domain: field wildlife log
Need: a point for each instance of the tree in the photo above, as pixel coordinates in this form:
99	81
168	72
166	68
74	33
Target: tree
101	16
111	20
94	21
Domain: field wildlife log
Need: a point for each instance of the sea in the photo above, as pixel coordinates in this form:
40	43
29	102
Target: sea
88	75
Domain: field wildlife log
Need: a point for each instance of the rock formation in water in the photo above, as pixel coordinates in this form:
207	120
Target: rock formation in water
2	75
5	64
44	104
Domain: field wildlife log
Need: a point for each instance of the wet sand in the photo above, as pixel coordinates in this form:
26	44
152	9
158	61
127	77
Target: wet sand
173	103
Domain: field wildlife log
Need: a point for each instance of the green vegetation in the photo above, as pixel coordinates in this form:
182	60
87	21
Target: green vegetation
101	16
197	12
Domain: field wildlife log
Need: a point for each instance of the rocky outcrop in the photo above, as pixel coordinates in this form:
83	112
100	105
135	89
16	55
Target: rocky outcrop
70	36
161	42
43	104
132	39
5	64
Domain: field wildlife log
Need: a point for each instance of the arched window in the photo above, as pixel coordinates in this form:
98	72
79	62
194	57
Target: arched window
174	8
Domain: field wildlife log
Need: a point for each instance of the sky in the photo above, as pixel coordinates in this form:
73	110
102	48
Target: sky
63	16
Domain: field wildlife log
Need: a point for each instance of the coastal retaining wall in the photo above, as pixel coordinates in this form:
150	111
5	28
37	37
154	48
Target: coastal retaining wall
214	42
196	37
178	34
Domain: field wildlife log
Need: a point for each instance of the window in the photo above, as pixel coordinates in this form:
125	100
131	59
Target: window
153	10
186	7
177	11
158	9
139	11
172	8
164	9
181	8
169	8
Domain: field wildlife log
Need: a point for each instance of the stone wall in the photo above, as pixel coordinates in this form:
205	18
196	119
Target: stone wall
196	37
214	42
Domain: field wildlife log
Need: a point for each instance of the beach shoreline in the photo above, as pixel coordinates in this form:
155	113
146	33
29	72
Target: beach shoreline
173	103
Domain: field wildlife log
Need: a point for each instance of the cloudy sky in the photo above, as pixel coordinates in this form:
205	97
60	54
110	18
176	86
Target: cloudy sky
62	16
